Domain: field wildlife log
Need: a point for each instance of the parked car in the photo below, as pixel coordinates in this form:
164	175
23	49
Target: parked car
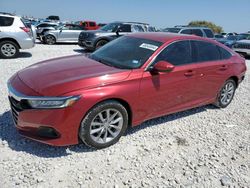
14	35
88	25
218	36
225	35
93	40
41	28
242	47
68	33
199	31
126	82
231	40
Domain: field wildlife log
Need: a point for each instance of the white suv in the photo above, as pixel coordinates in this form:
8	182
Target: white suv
14	35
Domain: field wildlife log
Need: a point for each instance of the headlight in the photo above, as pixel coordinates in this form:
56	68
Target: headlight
52	102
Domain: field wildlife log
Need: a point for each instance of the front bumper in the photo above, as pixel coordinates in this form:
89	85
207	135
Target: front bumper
242	50
86	44
58	127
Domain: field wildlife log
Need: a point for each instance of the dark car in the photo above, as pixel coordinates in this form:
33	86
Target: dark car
198	31
93	40
132	79
231	40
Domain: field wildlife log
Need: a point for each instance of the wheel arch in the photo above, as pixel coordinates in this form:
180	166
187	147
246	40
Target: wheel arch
102	38
10	39
236	79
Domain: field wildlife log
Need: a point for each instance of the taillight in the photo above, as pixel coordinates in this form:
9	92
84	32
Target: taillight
25	29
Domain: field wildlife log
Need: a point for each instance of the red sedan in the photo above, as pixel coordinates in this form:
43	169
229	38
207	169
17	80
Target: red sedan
131	79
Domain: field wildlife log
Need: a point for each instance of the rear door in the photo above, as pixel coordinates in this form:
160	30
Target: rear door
166	92
211	69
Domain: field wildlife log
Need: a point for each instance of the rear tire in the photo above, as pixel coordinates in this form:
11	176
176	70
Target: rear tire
49	39
226	94
104	124
8	49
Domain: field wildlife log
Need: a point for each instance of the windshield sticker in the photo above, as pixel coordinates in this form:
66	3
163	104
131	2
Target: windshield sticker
149	46
135	61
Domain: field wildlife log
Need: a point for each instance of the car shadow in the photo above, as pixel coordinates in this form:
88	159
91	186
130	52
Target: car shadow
24	55
82	51
9	136
168	118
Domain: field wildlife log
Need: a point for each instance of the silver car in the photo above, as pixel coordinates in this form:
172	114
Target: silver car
67	33
14	35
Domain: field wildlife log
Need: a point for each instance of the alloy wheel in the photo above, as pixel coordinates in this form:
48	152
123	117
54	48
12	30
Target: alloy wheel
227	93
106	126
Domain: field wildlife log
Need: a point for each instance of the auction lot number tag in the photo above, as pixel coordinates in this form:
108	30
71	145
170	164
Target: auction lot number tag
148	46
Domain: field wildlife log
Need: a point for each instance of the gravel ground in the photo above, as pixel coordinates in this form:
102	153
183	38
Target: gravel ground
202	147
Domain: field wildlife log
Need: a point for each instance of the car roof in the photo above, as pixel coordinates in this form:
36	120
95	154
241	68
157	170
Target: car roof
165	36
130	23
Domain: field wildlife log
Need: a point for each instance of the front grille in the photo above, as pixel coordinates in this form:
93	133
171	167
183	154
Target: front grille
242	46
16	108
84	35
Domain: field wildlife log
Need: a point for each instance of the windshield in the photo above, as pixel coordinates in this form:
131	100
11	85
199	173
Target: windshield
172	30
126	52
112	27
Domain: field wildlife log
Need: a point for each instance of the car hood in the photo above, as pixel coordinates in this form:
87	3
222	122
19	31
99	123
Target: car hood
66	74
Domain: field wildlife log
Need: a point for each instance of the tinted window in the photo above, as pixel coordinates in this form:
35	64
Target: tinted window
76	27
197	32
209	33
6	21
125	28
178	53
204	51
224	53
187	31
112	27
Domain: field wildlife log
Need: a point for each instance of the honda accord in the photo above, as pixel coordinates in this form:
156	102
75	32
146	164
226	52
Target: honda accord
134	78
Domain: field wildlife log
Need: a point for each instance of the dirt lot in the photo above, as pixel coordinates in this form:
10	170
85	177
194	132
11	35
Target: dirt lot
202	147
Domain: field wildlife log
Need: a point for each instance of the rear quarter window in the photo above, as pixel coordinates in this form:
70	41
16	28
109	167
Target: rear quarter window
186	31
197	32
6	21
205	51
224	53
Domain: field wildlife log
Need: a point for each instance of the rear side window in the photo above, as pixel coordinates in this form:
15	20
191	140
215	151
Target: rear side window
197	32
205	51
178	53
125	28
224	53
187	31
209	33
6	21
136	28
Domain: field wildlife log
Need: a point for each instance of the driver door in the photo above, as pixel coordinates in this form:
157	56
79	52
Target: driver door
64	33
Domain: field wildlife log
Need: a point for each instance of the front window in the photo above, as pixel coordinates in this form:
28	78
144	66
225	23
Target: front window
112	27
126	52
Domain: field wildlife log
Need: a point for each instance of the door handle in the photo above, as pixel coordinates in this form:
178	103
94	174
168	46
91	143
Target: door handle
189	73
223	68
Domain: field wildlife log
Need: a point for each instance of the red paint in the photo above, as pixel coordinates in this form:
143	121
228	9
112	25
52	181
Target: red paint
148	95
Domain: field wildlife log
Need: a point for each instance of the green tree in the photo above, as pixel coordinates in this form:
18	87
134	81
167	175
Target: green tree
214	27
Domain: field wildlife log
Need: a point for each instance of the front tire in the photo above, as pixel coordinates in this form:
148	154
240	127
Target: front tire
226	94
104	124
8	49
100	43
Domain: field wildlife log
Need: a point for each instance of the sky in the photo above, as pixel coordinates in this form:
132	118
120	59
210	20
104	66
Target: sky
232	15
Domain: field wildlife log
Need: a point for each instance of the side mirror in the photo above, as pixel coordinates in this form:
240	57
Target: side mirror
163	66
118	30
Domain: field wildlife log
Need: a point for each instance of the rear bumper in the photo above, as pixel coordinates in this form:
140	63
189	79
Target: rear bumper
27	43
